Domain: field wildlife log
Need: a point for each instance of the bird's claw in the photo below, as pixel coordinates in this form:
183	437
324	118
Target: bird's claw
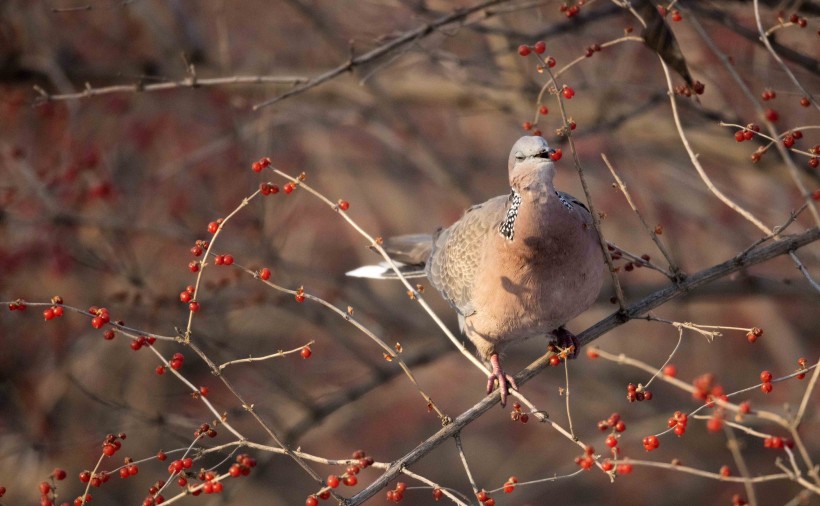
566	339
505	381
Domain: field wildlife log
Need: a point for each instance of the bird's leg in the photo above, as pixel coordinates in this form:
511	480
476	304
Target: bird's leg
505	381
566	339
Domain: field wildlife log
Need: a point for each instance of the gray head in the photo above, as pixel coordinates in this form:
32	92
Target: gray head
530	161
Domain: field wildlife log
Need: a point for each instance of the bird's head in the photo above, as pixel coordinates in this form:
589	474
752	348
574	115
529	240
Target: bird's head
530	162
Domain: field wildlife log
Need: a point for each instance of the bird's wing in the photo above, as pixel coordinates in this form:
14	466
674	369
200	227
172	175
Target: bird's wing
458	251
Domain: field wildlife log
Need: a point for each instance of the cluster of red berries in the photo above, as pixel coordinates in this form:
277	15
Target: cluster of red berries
213	226
223	259
650	443
571	10
747	133
46	489
591	50
260	164
268	189
141	341
17	305
538	48
180	465
637	393
790	138
753	334
100	316
685	90
176	361
517	415
706	389
777	442
766	380
129	469
348	478
678	421
676	15
55	311
153	490
509	486
614	422
485	499
397	494
802	362
242	467
794	18
186	296
768	94
205	429
111	444
586	461
199	248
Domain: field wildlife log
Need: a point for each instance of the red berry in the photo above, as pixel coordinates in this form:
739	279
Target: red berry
194	306
227	260
765	376
771	115
193	266
161	456
437	494
539	47
97	322
805	102
624	469
550	61
213	227
203	391
527	125
568	92
788	141
670	370
332	481
45	488
766	387
482	496
592	353
813	162
815	195
288	188
264	274
85	476
676	16
58	474
714	424
300	297
543	110
256	167
556	155
176	364
109	449
524	50
344	205
739	136
185	297
3	491
725	471
48	314
607	465
124	472
350	480
555	360
650	443
611	441
620	426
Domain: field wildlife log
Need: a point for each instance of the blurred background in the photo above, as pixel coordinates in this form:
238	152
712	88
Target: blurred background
101	199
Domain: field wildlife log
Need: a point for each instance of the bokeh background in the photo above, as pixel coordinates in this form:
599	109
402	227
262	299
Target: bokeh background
102	197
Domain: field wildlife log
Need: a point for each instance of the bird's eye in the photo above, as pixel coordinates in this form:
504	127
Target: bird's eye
519	156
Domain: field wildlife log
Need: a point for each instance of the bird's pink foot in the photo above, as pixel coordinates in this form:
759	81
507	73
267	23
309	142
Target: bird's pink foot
505	381
566	339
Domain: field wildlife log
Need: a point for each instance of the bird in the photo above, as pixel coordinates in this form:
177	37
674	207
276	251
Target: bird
515	267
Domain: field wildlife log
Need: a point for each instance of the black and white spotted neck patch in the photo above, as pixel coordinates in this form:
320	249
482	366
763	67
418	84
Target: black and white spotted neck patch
564	201
507	228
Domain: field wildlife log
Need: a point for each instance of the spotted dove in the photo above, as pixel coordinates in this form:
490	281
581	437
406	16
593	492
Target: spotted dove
514	267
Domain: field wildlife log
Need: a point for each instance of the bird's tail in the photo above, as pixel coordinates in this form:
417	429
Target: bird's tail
408	252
